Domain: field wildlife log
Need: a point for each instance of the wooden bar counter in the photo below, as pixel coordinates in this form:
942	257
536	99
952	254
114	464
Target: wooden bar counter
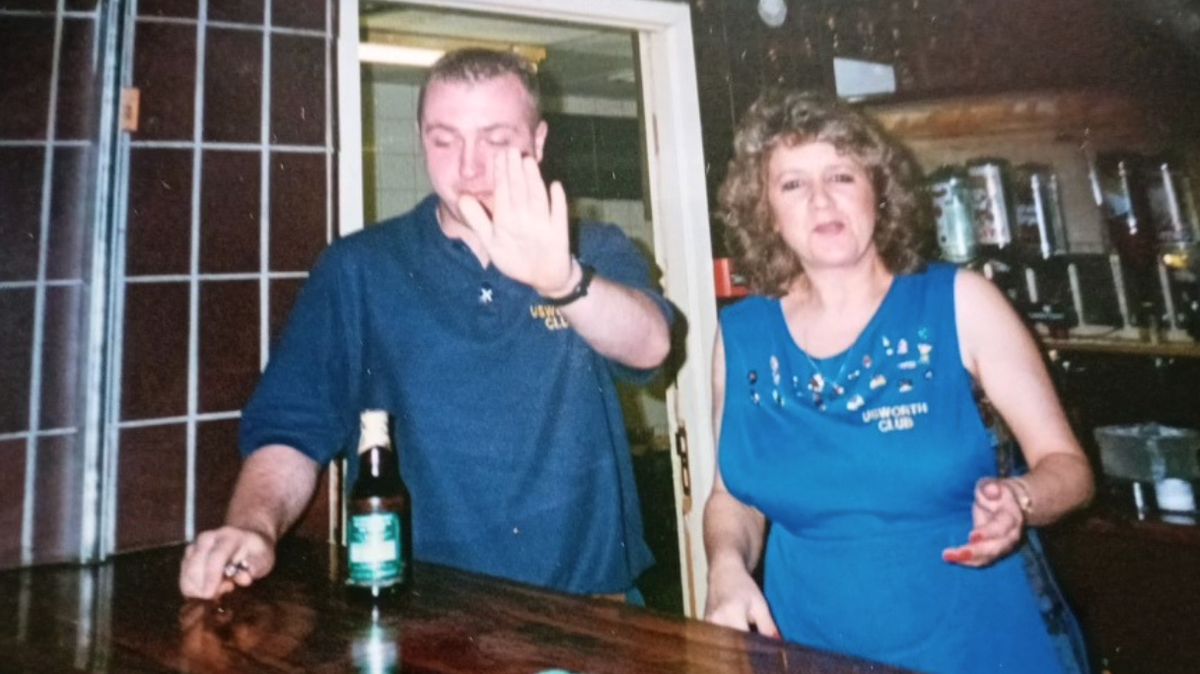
126	616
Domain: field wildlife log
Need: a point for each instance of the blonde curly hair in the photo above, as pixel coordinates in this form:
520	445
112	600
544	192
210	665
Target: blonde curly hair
903	229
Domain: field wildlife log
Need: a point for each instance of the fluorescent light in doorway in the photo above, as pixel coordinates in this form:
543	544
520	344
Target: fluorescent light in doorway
417	57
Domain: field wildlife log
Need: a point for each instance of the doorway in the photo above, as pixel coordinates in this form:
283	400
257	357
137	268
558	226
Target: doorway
620	99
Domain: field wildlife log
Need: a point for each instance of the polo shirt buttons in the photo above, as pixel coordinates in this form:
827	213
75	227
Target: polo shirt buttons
485	293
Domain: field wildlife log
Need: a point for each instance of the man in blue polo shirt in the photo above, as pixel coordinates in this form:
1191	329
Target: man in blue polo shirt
493	332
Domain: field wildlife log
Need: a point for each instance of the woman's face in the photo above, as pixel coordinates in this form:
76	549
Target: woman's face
822	203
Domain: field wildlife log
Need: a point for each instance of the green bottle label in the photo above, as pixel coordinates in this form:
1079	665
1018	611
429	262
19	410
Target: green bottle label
373	543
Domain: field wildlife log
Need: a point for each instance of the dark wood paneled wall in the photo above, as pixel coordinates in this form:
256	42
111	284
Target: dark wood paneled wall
228	56
942	48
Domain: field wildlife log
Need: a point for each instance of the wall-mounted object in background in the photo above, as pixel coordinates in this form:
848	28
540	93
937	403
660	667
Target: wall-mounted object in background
772	12
856	78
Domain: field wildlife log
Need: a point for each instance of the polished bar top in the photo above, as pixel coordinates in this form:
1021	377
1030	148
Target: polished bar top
126	616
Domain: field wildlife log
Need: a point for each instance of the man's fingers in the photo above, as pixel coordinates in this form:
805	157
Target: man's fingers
535	188
220	556
203	569
506	181
559	211
476	217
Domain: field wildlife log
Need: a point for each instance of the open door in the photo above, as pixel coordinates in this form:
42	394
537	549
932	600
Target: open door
668	215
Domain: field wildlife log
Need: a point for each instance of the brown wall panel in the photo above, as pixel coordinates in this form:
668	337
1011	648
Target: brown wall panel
164	70
16	354
159	225
308	14
12	500
230	201
21	170
183	9
217	464
298	89
229	352
299	203
155	350
233	86
27	52
237	11
151	486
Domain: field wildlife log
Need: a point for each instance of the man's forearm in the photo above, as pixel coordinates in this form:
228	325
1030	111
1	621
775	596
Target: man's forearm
273	488
621	324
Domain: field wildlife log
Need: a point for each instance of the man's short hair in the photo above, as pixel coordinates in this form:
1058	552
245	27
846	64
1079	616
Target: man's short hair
477	64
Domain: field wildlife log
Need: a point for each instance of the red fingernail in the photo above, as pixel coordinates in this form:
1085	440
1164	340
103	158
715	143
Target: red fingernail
975	537
957	555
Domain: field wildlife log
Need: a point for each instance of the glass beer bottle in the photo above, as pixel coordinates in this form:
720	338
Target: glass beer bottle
379	522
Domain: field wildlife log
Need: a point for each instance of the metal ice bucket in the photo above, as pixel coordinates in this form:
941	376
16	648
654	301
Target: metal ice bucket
1149	452
1151	467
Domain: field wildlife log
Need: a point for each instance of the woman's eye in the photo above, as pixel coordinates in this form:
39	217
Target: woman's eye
789	185
844	177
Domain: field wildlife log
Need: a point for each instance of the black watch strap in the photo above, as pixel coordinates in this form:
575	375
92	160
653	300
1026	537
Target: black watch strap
580	289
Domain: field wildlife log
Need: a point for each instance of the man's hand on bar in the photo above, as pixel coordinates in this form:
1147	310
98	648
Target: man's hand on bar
222	559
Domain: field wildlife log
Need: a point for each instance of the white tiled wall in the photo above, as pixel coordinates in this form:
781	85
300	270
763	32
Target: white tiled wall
583	105
394	173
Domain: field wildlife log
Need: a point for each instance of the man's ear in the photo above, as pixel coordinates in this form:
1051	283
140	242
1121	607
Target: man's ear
539	139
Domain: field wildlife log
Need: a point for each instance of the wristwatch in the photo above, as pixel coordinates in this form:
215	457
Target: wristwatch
580	289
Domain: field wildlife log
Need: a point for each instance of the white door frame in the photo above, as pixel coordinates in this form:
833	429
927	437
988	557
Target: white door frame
679	206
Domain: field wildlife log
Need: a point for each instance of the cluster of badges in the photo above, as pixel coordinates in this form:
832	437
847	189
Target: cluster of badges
869	377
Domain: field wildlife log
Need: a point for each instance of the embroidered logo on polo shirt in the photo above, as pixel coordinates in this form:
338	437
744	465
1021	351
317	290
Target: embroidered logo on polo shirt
549	315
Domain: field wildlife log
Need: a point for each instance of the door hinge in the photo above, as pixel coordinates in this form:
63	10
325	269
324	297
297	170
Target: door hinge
685	472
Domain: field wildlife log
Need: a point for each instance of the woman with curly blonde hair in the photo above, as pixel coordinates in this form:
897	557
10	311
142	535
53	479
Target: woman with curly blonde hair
783	119
845	415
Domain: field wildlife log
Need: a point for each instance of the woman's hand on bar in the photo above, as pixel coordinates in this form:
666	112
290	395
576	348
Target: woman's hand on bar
734	600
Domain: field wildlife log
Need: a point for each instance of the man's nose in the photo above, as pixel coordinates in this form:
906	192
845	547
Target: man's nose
474	161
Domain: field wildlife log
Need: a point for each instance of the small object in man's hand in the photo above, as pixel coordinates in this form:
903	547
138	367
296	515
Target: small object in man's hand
232	568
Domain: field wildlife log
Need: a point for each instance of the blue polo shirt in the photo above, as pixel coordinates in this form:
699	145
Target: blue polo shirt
508	425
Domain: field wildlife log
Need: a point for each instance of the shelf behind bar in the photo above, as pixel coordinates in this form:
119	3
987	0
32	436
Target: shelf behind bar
1123	347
